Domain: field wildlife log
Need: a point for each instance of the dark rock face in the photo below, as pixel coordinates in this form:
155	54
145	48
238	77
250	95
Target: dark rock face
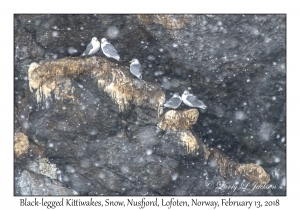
234	63
29	183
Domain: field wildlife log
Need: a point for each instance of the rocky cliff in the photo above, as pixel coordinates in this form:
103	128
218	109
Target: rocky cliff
86	126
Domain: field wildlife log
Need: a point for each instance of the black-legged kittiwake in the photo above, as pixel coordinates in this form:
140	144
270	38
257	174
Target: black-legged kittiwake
174	102
190	100
109	50
92	48
136	68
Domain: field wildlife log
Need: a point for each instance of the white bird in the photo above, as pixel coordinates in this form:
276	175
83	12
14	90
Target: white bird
136	68
109	50
92	48
173	102
190	100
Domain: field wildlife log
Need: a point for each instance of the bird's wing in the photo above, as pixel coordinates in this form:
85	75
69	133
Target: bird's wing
136	69
195	101
110	50
173	103
88	49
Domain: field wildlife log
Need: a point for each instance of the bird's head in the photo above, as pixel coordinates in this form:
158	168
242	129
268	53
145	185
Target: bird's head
186	92
94	39
103	40
134	61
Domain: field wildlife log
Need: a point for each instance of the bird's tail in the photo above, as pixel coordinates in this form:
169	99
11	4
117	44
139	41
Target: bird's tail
203	106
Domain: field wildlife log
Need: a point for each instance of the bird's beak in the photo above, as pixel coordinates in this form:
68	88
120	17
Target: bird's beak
130	61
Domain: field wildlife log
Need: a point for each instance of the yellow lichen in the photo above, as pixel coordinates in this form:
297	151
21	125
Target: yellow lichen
46	168
123	88
229	168
253	172
21	144
189	141
166	20
119	96
176	120
180	122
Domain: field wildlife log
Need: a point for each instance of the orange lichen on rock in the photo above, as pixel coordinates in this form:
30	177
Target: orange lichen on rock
44	82
166	20
253	172
229	168
113	78
170	22
189	140
180	122
21	144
